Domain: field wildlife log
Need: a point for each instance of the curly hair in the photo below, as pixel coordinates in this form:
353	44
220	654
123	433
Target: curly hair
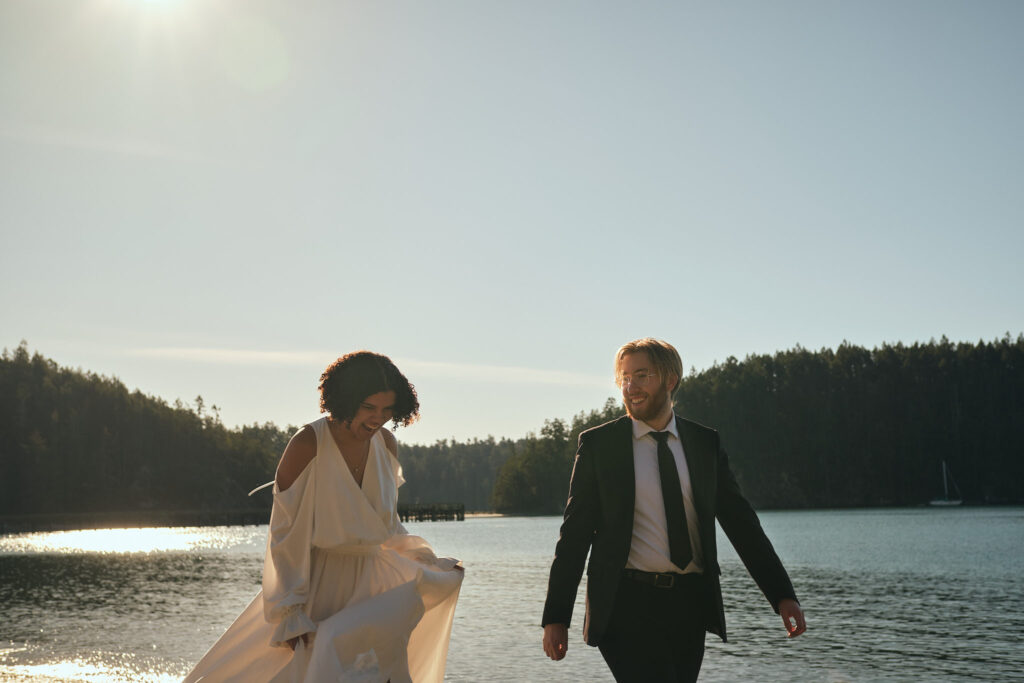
347	382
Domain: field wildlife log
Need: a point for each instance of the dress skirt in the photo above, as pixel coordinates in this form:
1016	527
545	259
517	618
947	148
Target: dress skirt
375	602
383	612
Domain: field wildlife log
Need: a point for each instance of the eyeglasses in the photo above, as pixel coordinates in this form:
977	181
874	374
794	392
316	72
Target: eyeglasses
640	379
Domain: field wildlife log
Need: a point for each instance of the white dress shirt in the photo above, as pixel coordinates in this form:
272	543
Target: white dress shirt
649	550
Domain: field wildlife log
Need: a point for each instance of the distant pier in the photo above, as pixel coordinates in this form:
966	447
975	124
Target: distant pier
20	524
432	512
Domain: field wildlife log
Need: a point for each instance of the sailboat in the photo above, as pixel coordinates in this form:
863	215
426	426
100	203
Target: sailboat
947	479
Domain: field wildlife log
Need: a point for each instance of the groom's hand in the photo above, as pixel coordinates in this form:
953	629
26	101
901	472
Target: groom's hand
556	641
792	617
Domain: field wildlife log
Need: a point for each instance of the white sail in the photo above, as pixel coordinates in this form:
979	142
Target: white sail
947	478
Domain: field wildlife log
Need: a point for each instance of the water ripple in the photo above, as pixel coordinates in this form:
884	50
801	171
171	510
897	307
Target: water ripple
888	598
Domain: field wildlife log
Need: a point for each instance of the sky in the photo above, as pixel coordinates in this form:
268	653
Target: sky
220	198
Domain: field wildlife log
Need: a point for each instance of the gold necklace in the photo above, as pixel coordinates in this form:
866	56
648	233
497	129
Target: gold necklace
359	467
356	469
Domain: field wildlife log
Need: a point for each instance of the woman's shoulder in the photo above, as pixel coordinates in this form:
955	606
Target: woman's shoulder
299	452
391	444
389	441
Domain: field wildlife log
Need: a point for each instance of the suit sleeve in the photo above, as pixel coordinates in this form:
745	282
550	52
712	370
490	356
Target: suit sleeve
574	539
741	525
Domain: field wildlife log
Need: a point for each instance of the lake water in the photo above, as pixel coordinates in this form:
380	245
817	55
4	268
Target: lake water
890	595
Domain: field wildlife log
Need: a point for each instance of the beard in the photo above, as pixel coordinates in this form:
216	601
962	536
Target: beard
651	408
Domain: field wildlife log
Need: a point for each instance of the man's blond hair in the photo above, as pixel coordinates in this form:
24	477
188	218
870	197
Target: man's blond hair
663	356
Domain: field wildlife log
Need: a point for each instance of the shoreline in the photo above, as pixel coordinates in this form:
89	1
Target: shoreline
137	519
79	521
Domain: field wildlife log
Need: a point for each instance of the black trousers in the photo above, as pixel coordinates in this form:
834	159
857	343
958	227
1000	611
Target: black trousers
656	635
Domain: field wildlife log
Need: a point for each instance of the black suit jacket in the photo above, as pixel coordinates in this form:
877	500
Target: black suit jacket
599	518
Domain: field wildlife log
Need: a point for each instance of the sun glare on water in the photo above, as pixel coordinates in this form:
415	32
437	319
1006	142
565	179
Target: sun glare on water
163	539
80	671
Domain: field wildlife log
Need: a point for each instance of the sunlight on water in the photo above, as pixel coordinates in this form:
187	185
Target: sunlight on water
164	539
82	671
935	595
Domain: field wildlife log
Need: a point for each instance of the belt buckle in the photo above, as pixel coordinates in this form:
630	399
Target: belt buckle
668	582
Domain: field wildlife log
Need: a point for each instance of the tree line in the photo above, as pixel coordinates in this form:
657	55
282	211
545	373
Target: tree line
849	427
73	441
803	429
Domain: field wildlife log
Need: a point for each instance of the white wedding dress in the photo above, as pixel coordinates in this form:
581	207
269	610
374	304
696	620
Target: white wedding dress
339	563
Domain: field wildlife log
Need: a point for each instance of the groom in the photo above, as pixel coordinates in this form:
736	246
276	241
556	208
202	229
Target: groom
645	492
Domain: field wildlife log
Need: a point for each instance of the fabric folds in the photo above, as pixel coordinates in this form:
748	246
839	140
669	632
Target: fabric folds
376	601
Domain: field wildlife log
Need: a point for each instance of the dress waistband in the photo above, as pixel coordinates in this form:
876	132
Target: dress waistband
354	549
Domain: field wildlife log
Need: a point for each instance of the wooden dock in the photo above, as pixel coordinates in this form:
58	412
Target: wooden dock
432	512
20	524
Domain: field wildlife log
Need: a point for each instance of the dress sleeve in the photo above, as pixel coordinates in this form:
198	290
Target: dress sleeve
419	550
287	562
410	545
396	469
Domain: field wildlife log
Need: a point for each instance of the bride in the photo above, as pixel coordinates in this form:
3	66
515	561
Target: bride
348	594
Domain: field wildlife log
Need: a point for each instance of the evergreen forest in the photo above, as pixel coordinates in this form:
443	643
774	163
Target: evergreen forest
849	427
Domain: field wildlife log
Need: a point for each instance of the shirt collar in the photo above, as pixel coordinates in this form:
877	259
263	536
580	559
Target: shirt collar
641	429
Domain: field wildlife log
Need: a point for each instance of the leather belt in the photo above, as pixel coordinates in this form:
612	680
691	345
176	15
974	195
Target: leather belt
658	580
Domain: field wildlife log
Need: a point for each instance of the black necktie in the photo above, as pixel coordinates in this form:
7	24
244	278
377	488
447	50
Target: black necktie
675	513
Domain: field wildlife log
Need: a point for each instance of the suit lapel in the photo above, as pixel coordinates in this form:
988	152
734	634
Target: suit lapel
620	457
700	466
621	486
